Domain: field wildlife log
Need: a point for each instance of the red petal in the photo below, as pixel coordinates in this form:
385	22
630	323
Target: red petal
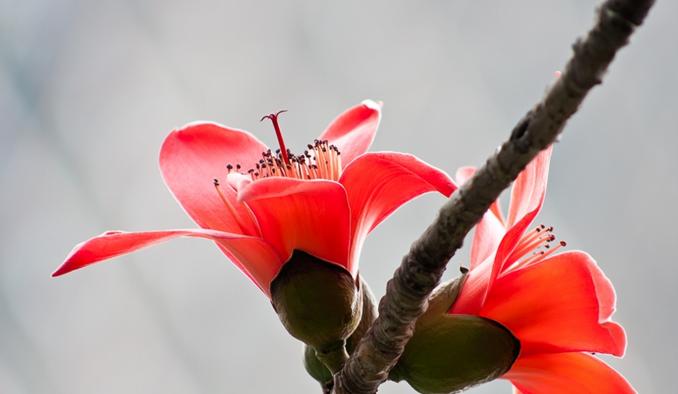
483	275
529	188
510	241
527	198
252	255
488	235
463	174
472	295
566	373
308	215
562	304
191	157
379	183
353	131
490	229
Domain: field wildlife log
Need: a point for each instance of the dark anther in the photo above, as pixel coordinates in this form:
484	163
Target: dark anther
216	182
463	270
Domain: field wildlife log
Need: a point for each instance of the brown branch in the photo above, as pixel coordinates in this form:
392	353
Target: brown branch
421	269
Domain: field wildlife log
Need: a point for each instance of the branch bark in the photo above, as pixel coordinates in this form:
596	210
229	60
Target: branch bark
421	269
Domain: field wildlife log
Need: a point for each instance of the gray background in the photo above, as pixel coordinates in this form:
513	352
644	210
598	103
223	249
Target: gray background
89	89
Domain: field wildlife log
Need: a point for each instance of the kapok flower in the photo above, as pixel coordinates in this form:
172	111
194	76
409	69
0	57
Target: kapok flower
262	208
557	305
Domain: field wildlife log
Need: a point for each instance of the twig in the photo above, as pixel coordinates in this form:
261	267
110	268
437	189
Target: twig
421	269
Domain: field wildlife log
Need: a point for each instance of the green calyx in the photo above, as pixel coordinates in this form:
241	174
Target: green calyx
315	367
318	303
450	353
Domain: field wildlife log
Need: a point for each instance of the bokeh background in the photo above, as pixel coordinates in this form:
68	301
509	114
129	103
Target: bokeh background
88	91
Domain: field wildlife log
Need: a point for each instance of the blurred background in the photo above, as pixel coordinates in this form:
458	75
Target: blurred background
88	91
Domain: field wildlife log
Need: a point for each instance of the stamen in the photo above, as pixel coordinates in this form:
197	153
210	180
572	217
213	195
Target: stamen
540	237
230	207
274	119
525	246
542	254
320	161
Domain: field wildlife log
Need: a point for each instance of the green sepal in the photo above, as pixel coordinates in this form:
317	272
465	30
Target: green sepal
450	353
319	303
442	298
315	367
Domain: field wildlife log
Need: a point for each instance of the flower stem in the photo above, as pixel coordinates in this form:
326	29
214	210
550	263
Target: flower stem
334	357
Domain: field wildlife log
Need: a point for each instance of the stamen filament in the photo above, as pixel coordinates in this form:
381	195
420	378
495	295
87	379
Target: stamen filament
231	208
525	248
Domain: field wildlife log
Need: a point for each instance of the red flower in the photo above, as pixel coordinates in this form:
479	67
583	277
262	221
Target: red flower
263	206
558	305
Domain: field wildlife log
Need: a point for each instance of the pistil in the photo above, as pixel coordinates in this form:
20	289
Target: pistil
274	119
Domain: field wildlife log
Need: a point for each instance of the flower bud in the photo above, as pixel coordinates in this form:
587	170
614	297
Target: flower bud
315	367
450	353
318	303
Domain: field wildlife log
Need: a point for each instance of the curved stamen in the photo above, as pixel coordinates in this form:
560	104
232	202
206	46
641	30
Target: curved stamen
243	227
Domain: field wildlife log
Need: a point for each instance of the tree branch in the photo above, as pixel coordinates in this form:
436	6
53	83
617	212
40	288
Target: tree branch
421	269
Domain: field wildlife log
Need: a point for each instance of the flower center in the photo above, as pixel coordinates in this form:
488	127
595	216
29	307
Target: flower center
320	161
535	246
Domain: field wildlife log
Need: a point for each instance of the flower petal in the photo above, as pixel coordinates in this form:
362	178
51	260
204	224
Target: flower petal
353	131
191	157
308	215
562	304
483	275
252	255
566	373
463	174
490	229
379	183
529	188
472	294
489	233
